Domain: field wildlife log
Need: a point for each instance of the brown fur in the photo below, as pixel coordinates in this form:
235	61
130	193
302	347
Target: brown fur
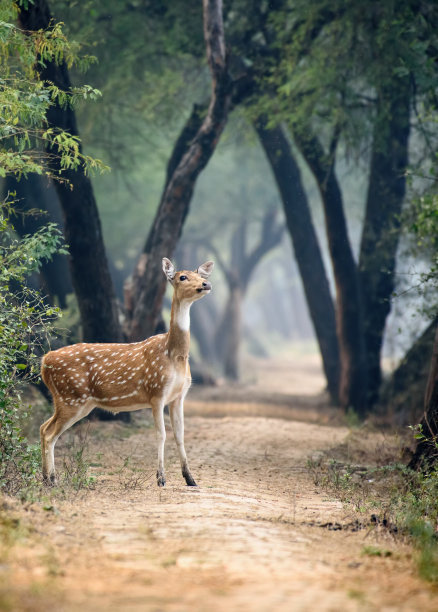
125	377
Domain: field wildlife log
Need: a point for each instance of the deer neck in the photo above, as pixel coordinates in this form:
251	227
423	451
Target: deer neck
179	330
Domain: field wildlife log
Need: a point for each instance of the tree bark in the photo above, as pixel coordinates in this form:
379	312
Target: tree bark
233	331
148	282
306	247
349	311
403	394
89	267
386	191
426	453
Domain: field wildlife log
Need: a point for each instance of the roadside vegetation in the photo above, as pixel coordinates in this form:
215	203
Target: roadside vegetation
372	478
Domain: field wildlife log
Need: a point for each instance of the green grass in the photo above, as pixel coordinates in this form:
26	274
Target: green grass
375	551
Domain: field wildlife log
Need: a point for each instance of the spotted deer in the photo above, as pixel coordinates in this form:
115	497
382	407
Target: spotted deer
125	377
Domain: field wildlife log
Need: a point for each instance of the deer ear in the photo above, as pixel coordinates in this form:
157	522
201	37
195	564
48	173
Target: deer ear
168	269
206	269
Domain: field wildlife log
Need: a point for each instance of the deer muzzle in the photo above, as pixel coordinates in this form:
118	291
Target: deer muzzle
206	286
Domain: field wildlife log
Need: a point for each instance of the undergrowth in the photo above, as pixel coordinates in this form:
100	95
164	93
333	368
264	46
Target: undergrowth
388	494
26	326
76	463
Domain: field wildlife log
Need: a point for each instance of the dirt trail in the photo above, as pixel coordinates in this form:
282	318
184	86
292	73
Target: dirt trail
248	539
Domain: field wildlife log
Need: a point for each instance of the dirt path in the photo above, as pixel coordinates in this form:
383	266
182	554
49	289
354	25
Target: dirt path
249	538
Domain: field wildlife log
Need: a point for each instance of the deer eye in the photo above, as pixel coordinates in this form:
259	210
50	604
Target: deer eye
183	277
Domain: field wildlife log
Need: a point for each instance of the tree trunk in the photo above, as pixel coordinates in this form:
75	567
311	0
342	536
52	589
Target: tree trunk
229	331
148	283
232	330
426	453
403	394
349	313
306	248
89	267
381	230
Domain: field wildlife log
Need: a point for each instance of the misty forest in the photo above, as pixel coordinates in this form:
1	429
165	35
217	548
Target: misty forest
293	143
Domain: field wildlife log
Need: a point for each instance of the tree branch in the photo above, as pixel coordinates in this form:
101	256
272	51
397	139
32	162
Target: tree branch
148	283
271	235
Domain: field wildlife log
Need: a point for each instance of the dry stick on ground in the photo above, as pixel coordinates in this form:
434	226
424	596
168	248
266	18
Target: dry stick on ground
146	289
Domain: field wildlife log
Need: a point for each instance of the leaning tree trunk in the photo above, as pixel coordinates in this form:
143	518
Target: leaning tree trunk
426	453
349	316
89	267
148	282
386	191
305	243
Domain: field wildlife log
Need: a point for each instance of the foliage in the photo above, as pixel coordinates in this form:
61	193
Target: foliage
374	551
157	46
416	510
151	69
26	142
422	221
338	61
388	495
148	53
25	322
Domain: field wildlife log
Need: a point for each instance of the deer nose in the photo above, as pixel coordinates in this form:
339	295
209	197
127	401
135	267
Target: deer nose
206	286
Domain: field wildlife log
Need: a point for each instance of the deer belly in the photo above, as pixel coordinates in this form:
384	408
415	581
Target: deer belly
121	408
120	399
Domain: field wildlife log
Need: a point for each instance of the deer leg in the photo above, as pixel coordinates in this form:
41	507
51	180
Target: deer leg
50	432
176	410
158	412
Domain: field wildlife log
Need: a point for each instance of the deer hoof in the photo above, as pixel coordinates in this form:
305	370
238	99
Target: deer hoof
161	479
189	479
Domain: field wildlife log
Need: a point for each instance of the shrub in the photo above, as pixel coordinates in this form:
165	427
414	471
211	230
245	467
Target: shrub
25	323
